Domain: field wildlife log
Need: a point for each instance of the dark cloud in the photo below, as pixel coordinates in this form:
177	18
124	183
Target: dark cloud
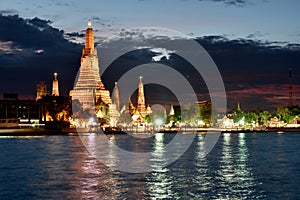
254	71
227	2
30	33
33	51
62	4
231	2
74	36
102	21
41	23
8	12
246	64
239	3
241	56
257	35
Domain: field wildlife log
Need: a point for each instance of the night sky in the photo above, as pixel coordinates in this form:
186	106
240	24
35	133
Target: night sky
253	43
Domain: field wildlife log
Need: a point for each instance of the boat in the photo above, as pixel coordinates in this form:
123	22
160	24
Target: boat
169	130
113	130
9	123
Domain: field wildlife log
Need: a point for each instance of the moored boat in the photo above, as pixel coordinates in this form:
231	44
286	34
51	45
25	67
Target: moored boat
9	123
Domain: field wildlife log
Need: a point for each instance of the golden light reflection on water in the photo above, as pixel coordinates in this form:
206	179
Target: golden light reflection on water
93	179
61	168
105	182
159	148
231	175
90	183
127	154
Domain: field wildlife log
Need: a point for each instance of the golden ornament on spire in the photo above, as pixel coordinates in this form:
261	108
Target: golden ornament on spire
89	23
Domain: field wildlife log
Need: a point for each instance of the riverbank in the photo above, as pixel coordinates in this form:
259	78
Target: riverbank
76	131
33	132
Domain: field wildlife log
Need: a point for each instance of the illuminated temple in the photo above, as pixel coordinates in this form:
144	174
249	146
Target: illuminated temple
55	90
89	89
139	113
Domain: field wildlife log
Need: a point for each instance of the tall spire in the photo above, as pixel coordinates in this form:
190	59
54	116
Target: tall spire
89	88
131	106
89	39
55	91
172	112
41	90
116	98
90	23
238	106
55	76
141	107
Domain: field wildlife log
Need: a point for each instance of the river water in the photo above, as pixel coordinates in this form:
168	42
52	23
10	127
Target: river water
240	166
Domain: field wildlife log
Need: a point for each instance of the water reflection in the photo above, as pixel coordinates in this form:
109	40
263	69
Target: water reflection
97	181
245	177
104	182
160	186
241	166
234	174
202	178
226	175
243	170
125	154
226	172
158	153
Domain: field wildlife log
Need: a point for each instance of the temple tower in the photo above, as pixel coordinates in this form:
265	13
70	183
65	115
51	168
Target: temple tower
89	42
141	107
238	106
89	39
141	111
116	98
55	91
172	112
41	90
89	87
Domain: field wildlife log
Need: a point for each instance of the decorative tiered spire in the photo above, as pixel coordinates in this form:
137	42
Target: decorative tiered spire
89	40
89	87
55	91
116	99
141	107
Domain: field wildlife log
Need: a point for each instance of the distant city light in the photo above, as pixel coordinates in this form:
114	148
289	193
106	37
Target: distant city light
159	137
91	119
242	122
201	123
158	122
